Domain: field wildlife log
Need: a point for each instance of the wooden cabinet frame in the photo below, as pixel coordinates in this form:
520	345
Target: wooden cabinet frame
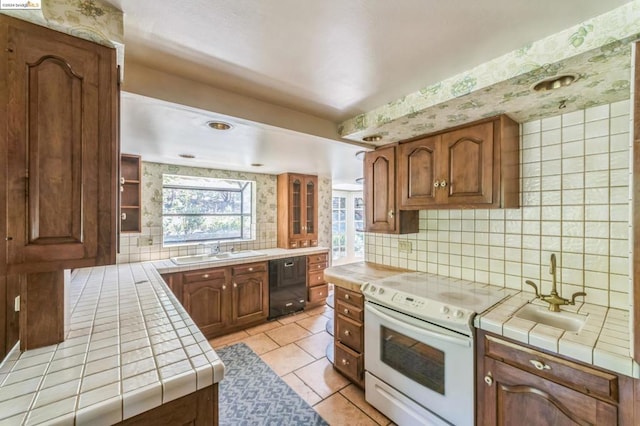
297	211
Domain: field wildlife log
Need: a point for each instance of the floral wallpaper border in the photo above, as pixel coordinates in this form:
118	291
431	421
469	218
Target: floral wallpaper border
592	50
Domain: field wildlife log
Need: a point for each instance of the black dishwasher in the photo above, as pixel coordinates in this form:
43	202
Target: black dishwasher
287	285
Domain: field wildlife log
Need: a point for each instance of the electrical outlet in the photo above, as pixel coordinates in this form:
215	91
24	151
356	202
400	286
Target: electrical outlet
405	246
145	241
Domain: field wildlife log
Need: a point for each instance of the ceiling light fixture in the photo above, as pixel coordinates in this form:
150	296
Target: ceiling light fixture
219	125
372	138
189	156
555	82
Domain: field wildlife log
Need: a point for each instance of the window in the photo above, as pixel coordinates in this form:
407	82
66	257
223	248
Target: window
199	209
348	223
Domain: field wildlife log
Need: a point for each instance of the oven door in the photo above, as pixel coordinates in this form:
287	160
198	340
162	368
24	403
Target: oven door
431	365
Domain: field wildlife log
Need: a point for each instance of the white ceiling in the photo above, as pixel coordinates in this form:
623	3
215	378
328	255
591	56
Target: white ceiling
332	59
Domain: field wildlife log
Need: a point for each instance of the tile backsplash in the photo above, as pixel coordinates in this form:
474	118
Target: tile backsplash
574	174
134	249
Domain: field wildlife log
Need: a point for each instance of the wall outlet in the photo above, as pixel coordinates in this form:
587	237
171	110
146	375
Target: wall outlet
145	241
405	246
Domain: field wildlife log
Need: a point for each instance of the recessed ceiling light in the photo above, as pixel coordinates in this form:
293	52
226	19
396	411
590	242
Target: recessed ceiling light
372	138
219	125
187	155
555	82
257	164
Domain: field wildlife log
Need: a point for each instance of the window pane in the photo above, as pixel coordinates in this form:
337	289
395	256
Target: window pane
200	228
200	201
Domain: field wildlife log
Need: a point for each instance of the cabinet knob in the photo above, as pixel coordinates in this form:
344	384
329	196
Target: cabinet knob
346	296
224	287
205	276
347	333
346	311
344	362
436	184
321	293
443	184
250	269
319	277
9	238
235	285
391	214
488	379
123	216
539	365
122	180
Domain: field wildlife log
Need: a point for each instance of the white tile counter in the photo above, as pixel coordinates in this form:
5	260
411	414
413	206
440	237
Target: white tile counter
130	347
604	340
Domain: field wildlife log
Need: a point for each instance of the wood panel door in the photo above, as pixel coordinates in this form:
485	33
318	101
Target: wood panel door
208	304
310	229
380	190
467	161
511	395
418	171
62	149
250	300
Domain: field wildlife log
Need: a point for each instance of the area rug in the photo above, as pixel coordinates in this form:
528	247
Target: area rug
251	393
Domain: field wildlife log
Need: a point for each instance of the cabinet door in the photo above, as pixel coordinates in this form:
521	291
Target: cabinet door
207	302
296	208
467	158
380	193
62	152
310	228
250	298
418	172
510	395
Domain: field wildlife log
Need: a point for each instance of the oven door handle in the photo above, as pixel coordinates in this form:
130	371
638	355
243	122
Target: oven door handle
462	341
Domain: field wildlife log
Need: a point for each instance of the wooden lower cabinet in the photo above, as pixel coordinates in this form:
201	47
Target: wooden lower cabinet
317	287
516	382
250	294
207	300
349	334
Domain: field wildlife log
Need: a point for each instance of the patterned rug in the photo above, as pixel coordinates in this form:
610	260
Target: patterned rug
251	393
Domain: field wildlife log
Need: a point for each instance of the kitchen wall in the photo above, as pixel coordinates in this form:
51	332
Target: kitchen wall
575	173
266	214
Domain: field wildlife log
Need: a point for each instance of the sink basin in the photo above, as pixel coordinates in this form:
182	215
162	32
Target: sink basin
202	258
567	321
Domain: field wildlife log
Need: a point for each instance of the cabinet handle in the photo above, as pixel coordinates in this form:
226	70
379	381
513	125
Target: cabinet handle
122	180
539	365
391	214
443	184
436	184
346	311
347	333
344	362
123	216
488	379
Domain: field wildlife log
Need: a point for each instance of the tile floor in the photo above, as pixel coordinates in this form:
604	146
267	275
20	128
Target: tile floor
295	348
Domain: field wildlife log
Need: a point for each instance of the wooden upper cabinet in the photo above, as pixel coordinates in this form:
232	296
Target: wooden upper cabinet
297	210
381	212
62	149
474	166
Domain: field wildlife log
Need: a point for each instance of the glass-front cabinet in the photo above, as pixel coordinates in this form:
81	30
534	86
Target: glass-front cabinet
297	210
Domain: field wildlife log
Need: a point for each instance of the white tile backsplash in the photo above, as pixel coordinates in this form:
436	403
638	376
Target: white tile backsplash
575	176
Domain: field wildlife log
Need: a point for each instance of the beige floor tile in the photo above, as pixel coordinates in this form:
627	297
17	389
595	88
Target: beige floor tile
288	334
228	339
292	318
301	389
286	359
322	378
260	343
316	345
355	395
318	311
337	410
263	327
314	324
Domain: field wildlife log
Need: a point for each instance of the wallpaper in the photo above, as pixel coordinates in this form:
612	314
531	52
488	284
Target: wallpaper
597	52
135	247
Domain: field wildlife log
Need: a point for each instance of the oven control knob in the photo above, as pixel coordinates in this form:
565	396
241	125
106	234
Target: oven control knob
380	290
373	289
444	310
458	314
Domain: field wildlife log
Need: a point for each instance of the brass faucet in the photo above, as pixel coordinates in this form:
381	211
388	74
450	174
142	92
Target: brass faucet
554	299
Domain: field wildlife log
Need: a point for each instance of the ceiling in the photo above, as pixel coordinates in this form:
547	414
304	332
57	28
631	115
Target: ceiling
328	59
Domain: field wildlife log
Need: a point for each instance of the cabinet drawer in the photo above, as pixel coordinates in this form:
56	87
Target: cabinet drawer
582	378
348	362
249	269
318	258
348	296
314	267
318	293
313	243
315	278
350	311
350	333
293	244
204	275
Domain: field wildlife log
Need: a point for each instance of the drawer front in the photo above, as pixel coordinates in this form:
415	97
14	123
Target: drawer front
315	267
315	278
350	311
318	293
293	244
350	333
352	297
582	378
249	269
313	243
349	362
204	275
318	258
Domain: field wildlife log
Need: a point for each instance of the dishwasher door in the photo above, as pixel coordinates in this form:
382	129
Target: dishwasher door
287	285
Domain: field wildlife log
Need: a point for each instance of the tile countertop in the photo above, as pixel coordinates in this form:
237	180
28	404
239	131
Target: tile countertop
352	275
130	347
604	340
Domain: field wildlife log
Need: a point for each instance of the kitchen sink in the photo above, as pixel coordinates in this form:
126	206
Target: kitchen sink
219	257
567	321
